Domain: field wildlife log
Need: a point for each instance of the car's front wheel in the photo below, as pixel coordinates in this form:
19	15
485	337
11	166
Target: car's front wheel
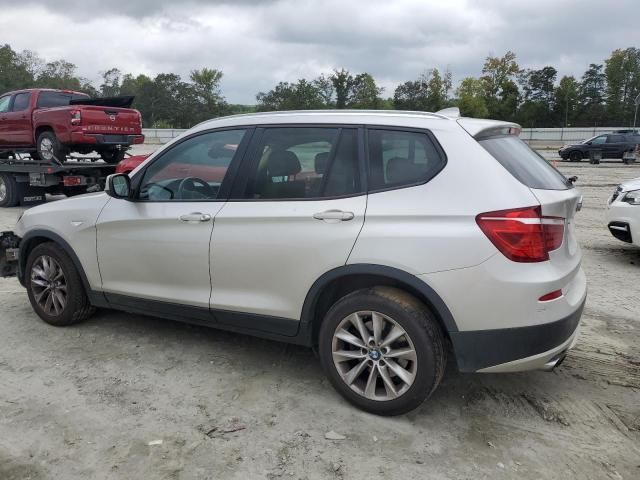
382	349
54	286
575	156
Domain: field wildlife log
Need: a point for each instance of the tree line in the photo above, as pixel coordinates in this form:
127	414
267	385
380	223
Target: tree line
603	96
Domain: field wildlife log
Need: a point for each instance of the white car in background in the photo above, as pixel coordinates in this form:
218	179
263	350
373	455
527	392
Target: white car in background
623	212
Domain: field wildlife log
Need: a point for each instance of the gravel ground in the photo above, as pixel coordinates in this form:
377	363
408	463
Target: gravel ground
127	396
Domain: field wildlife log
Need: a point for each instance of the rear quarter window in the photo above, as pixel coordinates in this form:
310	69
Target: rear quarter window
57	99
526	165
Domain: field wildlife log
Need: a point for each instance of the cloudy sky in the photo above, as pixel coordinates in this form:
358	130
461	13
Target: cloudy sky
260	42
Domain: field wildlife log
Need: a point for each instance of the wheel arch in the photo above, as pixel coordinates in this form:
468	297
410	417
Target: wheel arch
36	237
341	281
39	130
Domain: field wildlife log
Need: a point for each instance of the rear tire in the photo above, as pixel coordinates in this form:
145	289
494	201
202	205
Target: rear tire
575	156
378	375
54	286
50	149
112	156
8	191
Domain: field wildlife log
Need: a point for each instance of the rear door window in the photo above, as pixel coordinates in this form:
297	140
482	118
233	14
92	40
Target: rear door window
398	158
615	139
529	167
21	102
57	99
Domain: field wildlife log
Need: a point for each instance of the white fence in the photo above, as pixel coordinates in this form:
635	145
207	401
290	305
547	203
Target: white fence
551	137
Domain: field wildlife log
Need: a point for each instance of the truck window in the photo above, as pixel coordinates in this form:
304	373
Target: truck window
21	102
4	103
57	99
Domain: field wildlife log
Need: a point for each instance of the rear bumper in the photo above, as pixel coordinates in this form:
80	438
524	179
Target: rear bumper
105	139
516	349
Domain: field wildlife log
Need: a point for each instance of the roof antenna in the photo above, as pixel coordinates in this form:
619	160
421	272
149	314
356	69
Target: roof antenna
451	112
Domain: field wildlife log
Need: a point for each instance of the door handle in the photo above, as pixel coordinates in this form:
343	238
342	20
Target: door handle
337	215
195	217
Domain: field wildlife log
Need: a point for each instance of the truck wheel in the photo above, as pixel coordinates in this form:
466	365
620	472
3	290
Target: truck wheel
8	191
49	148
382	350
54	286
112	156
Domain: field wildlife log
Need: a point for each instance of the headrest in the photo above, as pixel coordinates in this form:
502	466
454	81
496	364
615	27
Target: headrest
321	161
283	163
401	169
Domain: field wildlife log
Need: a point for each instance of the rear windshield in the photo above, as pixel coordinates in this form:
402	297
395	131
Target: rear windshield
528	166
57	99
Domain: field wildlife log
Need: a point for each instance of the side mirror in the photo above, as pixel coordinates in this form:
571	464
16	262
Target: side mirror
118	186
588	143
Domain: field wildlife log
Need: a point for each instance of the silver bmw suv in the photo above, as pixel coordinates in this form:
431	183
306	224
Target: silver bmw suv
387	241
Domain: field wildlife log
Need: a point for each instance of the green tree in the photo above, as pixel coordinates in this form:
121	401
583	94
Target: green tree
302	95
566	104
591	97
110	83
471	98
14	73
622	71
538	107
429	93
501	92
360	91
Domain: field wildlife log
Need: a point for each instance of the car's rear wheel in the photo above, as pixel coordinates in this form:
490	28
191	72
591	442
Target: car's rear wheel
8	191
50	149
575	156
54	286
382	350
112	155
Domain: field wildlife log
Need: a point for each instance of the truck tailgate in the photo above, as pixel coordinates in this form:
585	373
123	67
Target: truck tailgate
109	120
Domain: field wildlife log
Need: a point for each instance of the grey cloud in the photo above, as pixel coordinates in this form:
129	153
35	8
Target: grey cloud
258	43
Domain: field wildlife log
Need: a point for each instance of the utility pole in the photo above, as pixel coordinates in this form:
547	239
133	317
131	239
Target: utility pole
635	115
566	111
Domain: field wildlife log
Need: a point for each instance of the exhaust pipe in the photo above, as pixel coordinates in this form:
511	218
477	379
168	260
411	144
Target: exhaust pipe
555	362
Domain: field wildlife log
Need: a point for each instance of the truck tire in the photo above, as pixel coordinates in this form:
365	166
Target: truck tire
49	148
8	191
112	155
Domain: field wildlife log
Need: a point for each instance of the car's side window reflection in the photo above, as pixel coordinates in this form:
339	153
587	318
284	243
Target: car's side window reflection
192	170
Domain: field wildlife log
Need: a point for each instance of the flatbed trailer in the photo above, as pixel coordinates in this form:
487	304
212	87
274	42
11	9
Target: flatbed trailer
26	182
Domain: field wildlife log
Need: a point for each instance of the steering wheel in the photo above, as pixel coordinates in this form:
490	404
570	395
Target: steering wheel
189	183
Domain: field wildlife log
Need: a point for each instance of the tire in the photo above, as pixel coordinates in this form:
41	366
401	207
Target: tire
76	306
8	191
422	368
112	156
49	149
575	156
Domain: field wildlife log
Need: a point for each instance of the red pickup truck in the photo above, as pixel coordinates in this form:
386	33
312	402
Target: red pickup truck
50	124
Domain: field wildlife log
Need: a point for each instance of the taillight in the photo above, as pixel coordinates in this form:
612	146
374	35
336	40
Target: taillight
523	234
550	296
76	117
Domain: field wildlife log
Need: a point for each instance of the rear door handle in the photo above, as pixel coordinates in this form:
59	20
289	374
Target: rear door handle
335	215
195	217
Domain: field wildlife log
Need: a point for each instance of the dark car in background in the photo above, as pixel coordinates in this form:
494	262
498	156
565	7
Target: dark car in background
612	145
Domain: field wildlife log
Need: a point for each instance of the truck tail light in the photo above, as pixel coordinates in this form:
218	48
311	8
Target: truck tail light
523	234
76	117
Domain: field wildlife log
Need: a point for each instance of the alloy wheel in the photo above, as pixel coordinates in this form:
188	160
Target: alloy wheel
3	190
46	149
374	355
48	285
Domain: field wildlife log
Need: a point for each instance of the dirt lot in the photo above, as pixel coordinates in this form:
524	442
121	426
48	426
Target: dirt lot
125	396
